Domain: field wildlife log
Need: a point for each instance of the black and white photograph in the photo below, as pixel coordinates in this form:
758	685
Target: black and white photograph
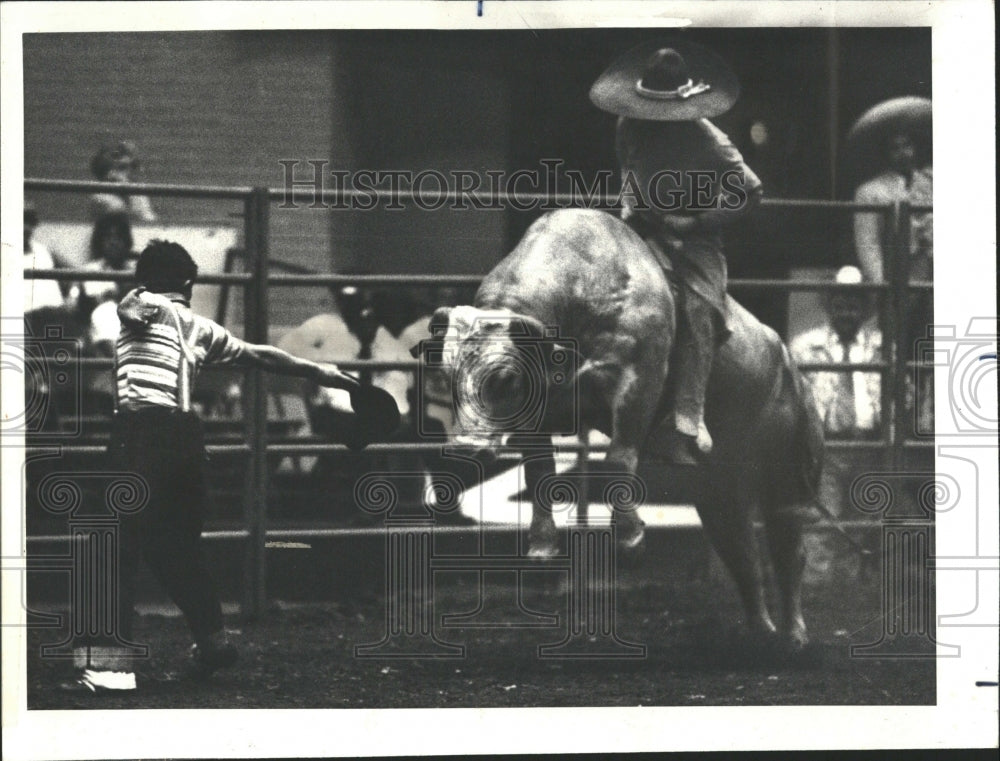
581	369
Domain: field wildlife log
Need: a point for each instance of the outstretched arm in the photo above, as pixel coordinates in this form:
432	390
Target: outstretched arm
279	361
141	308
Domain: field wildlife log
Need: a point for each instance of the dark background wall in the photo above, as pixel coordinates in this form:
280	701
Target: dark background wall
218	108
203	108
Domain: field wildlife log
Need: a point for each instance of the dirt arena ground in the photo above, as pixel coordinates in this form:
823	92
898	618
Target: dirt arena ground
301	655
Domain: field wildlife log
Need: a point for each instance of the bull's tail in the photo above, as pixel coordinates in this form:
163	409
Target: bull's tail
807	451
792	435
807	433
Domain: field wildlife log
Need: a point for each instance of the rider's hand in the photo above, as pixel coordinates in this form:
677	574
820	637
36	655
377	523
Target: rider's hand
679	223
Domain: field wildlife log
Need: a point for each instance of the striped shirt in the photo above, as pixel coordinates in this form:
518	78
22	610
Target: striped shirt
161	347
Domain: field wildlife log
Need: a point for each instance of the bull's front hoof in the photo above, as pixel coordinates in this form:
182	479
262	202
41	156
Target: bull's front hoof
542	551
542	542
632	546
633	540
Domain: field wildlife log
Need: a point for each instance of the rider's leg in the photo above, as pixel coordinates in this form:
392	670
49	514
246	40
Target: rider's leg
701	327
696	270
693	353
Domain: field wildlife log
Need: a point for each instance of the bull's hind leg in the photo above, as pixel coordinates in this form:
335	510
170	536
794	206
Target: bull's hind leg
727	519
784	536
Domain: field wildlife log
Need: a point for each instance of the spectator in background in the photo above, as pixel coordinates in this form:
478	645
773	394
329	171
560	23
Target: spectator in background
903	180
895	136
111	245
402	321
381	326
38	294
44	309
893	139
119	163
360	310
848	402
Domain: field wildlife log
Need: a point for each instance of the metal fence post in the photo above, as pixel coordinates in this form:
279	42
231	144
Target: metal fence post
255	316
887	323
901	349
583	466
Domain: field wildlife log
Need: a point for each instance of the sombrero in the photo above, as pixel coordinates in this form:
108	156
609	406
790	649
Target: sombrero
866	140
667	81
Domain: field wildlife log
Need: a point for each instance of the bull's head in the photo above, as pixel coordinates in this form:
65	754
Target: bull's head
509	374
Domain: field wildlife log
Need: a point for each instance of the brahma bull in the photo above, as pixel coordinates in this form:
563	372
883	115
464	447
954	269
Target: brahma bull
573	331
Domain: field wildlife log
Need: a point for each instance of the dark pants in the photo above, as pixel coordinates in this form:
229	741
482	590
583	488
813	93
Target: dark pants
166	449
699	269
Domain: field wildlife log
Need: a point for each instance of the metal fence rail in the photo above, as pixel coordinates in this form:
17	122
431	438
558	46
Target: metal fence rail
493	528
258	447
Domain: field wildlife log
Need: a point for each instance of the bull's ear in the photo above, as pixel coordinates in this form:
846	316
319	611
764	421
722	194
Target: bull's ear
438	328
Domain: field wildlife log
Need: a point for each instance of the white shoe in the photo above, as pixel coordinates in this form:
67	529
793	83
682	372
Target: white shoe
704	439
99	681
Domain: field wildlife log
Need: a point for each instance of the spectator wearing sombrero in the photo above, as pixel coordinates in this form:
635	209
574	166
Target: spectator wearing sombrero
119	163
683	183
892	137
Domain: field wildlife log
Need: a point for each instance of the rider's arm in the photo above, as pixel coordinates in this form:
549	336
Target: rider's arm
718	218
740	188
626	175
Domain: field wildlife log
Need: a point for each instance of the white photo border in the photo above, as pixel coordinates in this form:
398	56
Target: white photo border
965	194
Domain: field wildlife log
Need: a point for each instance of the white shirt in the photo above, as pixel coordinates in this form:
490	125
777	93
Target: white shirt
103	289
821	345
869	227
39	294
385	347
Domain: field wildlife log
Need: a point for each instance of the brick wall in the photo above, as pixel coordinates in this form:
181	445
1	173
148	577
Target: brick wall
204	109
222	108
